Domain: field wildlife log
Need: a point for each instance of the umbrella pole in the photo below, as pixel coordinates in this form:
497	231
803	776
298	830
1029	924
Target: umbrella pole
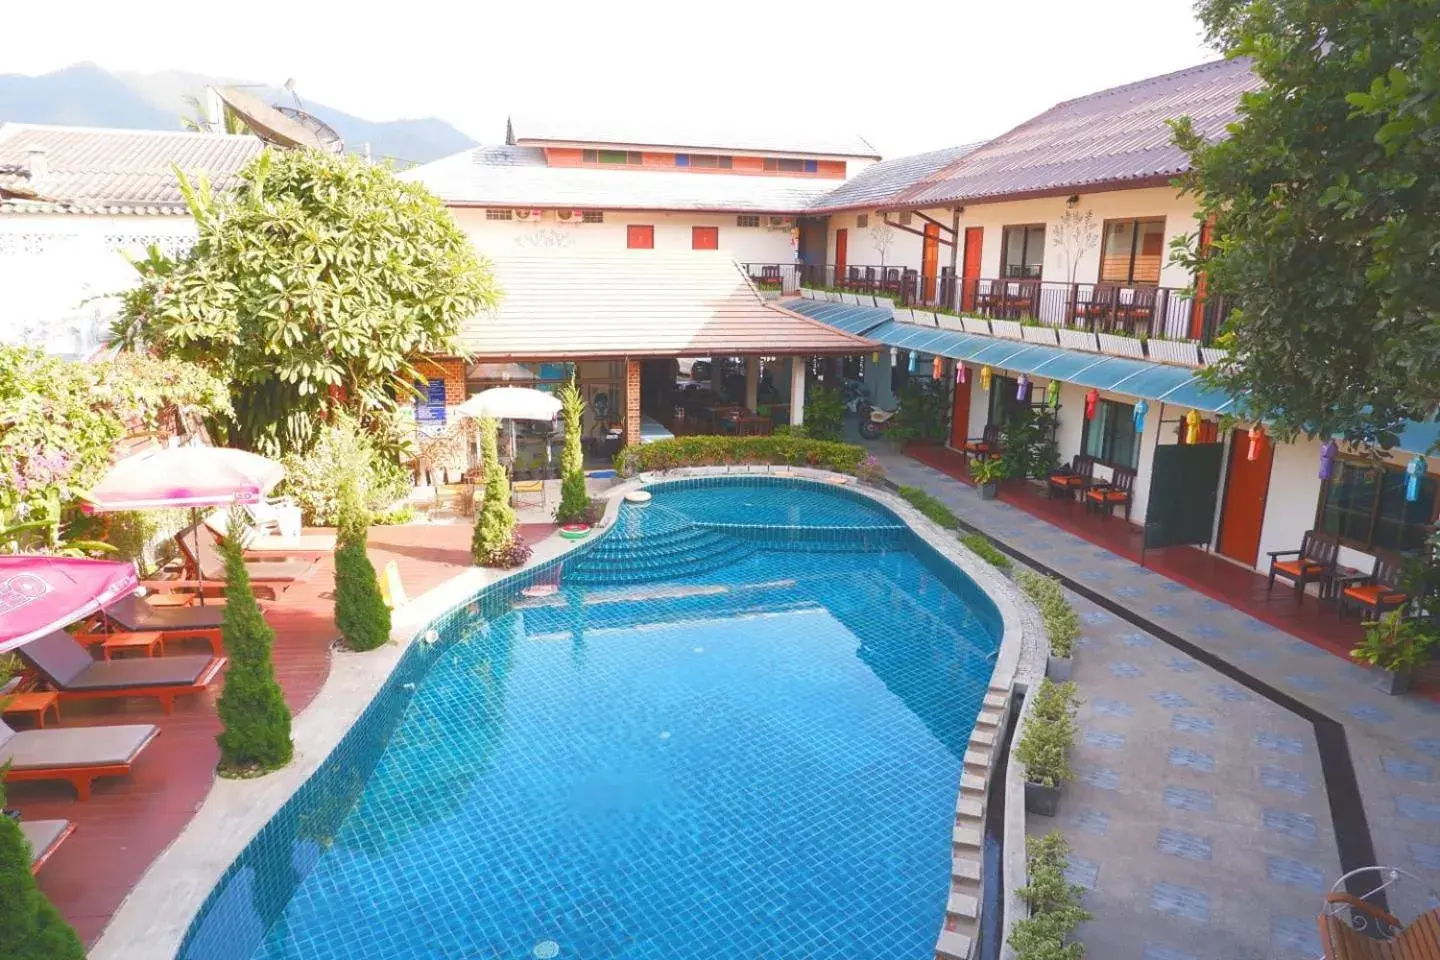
199	565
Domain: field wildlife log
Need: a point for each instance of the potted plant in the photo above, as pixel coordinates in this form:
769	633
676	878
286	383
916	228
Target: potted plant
1396	645
1120	345
987	475
1044	746
1062	624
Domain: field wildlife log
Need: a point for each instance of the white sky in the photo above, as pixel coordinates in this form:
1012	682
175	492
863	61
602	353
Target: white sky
907	75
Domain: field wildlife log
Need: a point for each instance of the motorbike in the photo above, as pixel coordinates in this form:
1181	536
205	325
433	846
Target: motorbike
875	421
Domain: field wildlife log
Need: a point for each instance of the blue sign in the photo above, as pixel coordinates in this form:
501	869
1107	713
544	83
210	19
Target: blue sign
430	410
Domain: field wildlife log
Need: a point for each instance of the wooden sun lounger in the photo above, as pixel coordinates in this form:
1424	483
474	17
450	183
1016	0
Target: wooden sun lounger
314	545
44	837
78	755
68	668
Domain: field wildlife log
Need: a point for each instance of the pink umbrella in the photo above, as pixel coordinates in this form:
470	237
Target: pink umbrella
41	594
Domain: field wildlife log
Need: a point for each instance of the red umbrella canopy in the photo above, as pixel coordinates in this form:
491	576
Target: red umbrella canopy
185	477
41	594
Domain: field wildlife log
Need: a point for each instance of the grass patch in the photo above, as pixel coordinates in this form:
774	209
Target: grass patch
931	507
980	545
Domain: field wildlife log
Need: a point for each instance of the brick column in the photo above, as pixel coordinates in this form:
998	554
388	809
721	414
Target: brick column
632	402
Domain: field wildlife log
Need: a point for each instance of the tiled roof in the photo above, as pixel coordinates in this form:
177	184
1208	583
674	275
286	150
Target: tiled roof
638	303
507	176
1109	137
649	133
96	170
885	181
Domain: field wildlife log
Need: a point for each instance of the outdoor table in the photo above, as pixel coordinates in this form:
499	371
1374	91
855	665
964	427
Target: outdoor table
35	702
1340	578
148	640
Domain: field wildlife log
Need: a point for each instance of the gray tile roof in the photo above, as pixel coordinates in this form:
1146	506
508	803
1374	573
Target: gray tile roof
1109	137
509	176
649	132
882	182
97	170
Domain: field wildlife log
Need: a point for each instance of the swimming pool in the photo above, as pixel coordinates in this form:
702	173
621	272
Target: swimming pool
735	730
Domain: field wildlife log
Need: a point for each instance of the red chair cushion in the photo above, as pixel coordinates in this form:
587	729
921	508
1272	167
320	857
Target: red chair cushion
1067	480
1107	496
1292	567
1372	594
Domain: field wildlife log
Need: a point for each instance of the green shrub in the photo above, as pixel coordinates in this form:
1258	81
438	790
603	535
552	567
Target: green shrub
310	477
1054	903
493	542
981	546
30	926
932	507
1062	623
1049	732
924	410
574	499
360	609
145	536
706	451
394	517
824	414
255	734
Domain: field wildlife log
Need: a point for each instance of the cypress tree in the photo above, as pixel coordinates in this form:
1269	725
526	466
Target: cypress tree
574	500
256	721
495	520
360	609
30	926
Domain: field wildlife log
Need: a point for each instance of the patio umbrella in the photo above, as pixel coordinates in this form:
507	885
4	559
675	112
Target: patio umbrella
511	403
181	477
41	594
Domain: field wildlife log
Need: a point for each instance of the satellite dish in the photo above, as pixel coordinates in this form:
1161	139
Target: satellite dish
329	140
269	124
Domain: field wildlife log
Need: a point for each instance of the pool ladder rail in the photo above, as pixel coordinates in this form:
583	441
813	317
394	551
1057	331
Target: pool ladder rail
962	909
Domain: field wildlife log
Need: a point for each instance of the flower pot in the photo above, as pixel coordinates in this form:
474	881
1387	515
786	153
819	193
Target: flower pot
976	325
1173	351
1393	682
946	322
885	303
1009	329
1059	668
1042	335
1118	346
988	490
1041	800
1078	340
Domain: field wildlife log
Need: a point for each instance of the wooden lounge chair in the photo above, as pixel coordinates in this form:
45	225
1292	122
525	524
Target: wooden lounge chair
310	545
44	838
135	613
1114	493
1377	593
1314	563
67	668
1073	479
983	446
268	577
78	755
1354	928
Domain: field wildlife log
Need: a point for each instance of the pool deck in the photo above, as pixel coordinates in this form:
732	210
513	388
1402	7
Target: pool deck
1200	764
130	821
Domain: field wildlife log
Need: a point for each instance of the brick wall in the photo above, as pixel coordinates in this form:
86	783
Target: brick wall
632	402
451	370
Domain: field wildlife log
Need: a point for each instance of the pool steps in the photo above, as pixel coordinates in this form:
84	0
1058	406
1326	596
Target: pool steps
962	908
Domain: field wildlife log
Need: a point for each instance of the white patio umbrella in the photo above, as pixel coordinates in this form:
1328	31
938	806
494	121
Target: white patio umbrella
511	403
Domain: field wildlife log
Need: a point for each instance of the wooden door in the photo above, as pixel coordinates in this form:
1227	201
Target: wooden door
960	414
1247	482
842	244
970	267
929	262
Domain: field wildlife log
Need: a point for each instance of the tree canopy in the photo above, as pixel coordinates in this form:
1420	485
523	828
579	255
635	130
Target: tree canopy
314	286
1326	207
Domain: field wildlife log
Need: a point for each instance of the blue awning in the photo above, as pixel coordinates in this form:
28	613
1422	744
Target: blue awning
841	316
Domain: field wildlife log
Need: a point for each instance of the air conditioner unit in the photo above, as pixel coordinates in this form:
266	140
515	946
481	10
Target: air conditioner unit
779	223
570	216
527	214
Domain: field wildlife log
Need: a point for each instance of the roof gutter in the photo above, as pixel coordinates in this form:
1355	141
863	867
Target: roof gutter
1099	186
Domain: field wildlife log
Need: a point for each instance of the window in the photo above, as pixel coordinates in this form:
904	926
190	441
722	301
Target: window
1110	438
704	238
640	237
633	157
592	216
747	220
862	220
1022	251
704	161
493	214
788	165
1365	507
1133	251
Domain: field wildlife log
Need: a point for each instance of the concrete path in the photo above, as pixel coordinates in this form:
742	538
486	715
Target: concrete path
1200	822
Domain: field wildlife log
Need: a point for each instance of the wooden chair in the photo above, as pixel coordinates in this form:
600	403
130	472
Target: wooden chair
1100	306
870	281
891	283
1376	593
984	446
1314	563
852	279
1022	298
1115	493
1354	928
1073	479
1135	309
770	276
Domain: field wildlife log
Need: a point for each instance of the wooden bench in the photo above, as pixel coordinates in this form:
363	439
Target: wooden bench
1079	475
1418	941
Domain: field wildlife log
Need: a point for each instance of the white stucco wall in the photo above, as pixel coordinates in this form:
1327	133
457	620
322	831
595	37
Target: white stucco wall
672	234
861	249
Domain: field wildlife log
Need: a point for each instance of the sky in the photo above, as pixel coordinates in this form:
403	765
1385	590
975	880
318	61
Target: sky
907	75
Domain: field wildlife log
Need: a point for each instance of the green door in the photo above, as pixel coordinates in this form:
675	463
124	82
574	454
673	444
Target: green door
1184	488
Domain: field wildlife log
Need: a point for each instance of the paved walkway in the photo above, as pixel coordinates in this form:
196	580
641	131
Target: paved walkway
1200	822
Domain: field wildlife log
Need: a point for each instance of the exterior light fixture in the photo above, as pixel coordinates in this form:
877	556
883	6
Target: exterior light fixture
1141	409
1022	387
1072	201
1192	427
1092	400
985	377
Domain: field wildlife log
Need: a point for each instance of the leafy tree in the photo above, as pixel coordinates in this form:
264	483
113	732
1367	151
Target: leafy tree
314	287
574	499
311	480
495	520
256	722
1325	199
360	610
30	926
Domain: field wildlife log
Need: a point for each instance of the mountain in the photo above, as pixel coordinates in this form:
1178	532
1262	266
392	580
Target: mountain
89	95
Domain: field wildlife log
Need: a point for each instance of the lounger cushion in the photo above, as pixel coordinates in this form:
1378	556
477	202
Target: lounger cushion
41	835
143	672
212	565
256	542
1108	496
1372	594
134	613
1292	567
1067	479
69	747
58	657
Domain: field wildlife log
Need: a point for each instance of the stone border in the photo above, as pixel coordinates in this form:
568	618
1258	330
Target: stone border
234	811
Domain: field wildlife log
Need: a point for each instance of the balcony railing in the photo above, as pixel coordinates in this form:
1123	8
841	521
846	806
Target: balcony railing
1135	310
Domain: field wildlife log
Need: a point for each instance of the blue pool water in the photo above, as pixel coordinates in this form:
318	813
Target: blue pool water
734	732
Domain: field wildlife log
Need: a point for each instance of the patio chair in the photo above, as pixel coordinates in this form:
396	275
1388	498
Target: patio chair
1314	563
891	284
1073	479
1376	593
44	838
1100	306
1135	308
67	667
270	577
984	446
1116	492
255	542
135	613
528	493
1354	928
78	755
852	279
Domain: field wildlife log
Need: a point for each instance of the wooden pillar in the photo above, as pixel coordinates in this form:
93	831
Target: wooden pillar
797	390
752	382
632	403
954	304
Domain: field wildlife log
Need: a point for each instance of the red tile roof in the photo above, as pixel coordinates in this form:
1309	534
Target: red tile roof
639	303
1117	137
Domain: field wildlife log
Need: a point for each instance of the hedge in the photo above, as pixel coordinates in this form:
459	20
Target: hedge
710	451
981	546
932	507
1062	624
